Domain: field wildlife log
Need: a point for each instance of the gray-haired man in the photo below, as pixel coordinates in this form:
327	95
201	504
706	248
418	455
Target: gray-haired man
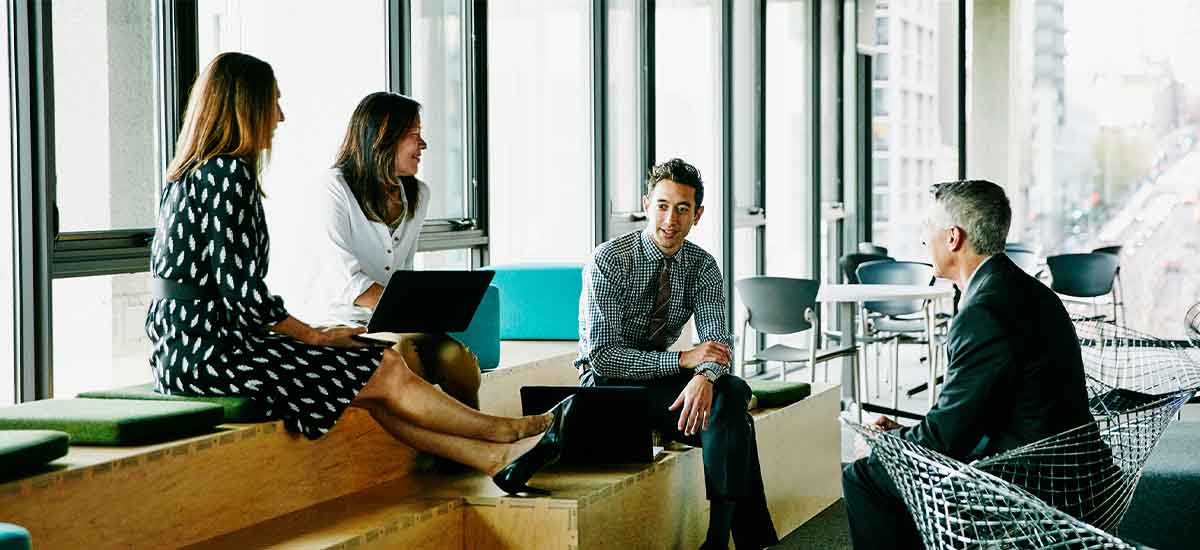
1015	374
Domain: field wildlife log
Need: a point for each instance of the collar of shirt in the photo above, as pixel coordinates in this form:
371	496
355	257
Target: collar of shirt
655	254
967	288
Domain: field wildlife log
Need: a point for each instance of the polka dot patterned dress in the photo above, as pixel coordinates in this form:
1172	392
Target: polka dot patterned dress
212	234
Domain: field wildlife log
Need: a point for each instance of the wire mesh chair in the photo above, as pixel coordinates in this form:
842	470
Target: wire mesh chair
956	506
1191	324
1090	472
1118	357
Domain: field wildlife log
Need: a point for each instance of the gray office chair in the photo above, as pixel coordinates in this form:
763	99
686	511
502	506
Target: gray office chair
850	263
1082	278
956	506
780	305
893	320
872	248
1017	247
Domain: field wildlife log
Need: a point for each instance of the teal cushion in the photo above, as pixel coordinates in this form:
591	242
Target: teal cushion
482	337
14	537
777	393
22	450
236	409
539	302
113	421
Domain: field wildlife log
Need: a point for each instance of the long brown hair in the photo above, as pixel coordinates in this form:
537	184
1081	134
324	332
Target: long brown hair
229	113
367	157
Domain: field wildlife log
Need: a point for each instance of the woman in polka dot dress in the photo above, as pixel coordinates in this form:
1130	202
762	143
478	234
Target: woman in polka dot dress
217	330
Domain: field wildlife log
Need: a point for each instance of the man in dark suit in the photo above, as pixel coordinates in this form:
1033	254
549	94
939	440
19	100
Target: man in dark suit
1015	374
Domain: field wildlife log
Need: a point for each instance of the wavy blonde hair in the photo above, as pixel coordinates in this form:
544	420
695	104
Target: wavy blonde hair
230	112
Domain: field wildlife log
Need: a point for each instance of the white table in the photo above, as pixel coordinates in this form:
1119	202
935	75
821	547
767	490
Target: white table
851	299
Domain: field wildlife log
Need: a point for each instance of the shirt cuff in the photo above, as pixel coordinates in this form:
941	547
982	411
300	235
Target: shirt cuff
668	363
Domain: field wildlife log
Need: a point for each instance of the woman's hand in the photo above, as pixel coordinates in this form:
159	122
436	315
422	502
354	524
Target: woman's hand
339	337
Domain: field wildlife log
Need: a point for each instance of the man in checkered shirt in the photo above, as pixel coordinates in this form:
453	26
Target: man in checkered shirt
638	291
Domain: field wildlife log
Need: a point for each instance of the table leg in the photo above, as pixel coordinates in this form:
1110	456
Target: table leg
862	360
931	362
849	376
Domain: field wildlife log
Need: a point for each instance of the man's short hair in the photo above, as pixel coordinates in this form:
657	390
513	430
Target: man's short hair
679	172
980	208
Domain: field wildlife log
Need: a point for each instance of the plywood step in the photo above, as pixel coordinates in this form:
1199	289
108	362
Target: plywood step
376	517
186	491
657	505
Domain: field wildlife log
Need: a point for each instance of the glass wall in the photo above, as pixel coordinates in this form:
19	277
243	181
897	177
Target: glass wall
325	61
99	336
915	118
1103	148
747	183
104	114
687	116
438	72
625	140
789	175
107	178
7	309
539	131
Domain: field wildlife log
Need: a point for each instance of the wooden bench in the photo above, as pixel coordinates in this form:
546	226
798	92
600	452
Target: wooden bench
254	485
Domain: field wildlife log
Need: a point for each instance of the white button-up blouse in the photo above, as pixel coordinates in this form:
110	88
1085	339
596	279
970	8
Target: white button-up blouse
353	252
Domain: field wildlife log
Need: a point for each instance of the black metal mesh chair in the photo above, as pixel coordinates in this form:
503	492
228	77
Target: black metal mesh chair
956	506
1191	324
1082	278
781	305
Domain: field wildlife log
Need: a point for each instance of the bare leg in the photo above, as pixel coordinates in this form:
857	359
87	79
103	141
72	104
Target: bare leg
408	397
458	373
446	363
487	457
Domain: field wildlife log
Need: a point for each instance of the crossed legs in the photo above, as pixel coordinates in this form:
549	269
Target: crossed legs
424	417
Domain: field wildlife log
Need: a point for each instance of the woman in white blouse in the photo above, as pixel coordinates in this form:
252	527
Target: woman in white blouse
370	210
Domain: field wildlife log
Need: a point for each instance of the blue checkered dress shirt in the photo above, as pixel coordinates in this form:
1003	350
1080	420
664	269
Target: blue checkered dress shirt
619	287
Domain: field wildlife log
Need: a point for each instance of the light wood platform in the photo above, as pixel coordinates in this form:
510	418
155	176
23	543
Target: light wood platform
661	505
185	491
255	485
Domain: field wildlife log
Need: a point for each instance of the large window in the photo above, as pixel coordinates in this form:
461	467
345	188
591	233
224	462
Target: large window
7	309
788	131
913	140
438	82
626	138
99	335
107	176
104	114
539	130
688	107
325	61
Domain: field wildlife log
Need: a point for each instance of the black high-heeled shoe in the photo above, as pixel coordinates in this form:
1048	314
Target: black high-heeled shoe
513	478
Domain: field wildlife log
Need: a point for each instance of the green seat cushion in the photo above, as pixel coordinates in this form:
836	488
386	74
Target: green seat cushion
113	421
777	393
22	450
237	409
14	537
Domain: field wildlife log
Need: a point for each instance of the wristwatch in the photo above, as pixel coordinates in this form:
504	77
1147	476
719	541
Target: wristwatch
708	373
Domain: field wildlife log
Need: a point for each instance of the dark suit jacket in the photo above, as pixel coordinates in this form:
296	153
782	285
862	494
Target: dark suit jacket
1015	374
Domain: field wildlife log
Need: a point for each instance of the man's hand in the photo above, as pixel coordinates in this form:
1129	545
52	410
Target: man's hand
696	400
706	352
886	424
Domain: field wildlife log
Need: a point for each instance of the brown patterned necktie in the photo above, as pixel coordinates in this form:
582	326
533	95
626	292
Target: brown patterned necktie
658	316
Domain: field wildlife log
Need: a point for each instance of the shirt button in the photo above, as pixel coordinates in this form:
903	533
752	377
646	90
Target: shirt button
389	251
387	269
